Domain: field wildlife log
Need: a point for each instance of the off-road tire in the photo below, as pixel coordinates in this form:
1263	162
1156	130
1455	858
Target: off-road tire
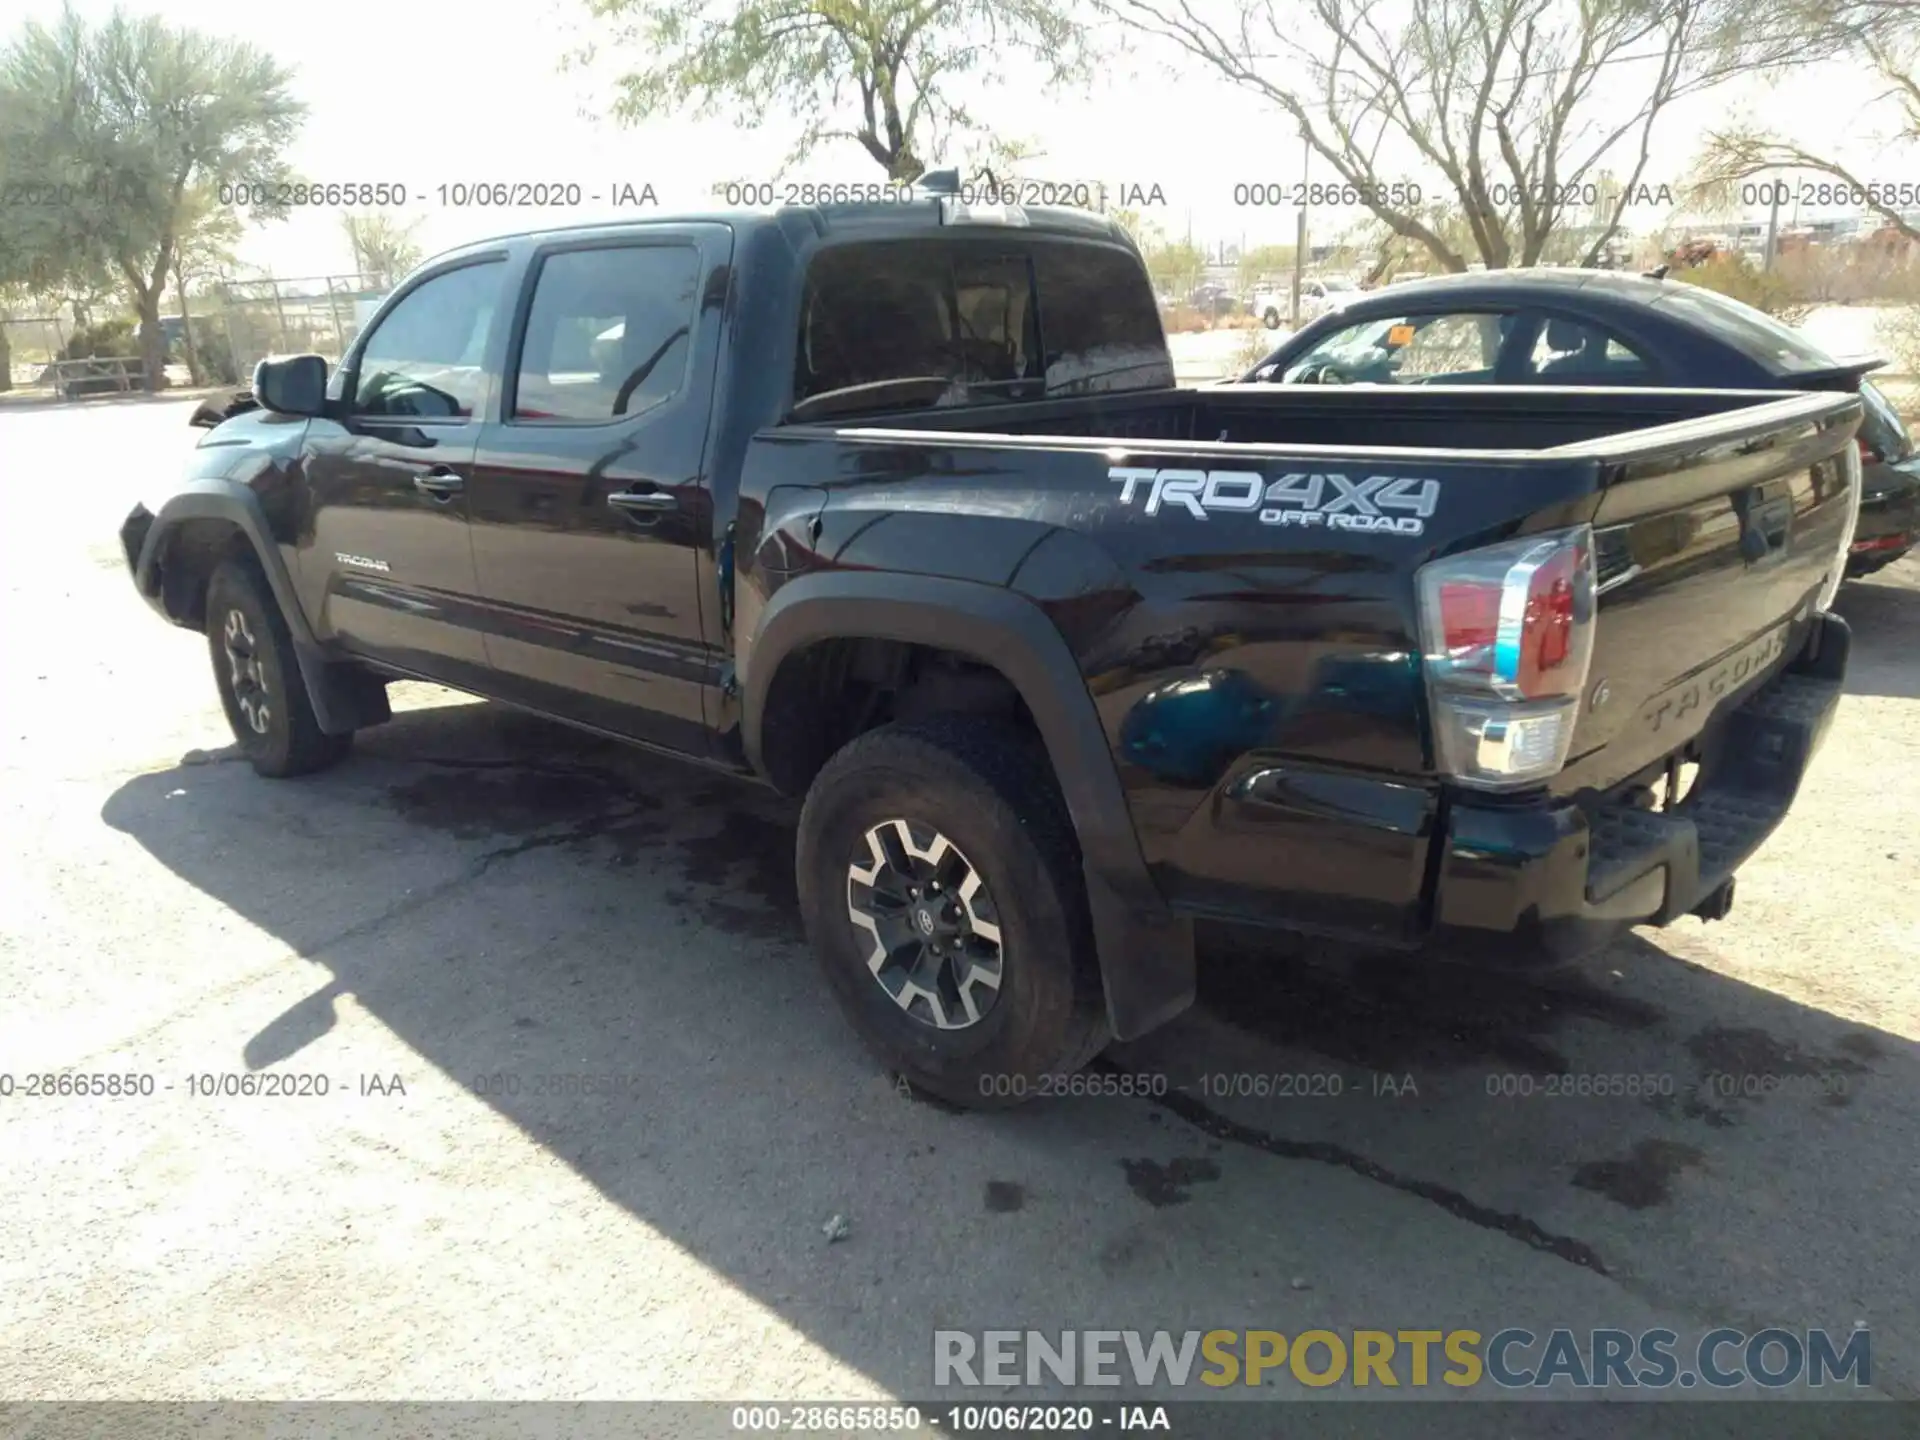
990	789
291	742
1270	318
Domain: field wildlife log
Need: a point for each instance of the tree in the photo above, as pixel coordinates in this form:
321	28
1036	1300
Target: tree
1885	35
209	231
1263	262
881	73
1513	104
382	247
1174	266
123	123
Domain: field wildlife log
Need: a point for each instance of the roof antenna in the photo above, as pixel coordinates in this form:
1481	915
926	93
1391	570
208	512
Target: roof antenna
1659	272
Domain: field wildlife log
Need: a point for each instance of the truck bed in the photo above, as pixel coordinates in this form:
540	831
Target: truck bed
1420	417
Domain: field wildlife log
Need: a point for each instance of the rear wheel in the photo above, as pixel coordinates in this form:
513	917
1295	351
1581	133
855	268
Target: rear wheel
1271	319
258	676
940	883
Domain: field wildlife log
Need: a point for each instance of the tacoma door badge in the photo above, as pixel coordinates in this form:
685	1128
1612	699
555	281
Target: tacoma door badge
361	562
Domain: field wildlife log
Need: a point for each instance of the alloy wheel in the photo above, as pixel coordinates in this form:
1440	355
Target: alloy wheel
247	676
932	931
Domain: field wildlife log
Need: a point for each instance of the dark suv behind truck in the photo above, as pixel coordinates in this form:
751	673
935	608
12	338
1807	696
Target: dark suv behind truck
898	508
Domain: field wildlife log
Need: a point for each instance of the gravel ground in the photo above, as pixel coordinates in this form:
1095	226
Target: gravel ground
479	900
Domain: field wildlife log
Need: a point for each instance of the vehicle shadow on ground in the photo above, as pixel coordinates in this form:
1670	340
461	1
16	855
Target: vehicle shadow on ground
523	957
1885	617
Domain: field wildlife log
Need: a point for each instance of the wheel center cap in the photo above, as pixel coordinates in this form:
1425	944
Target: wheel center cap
923	918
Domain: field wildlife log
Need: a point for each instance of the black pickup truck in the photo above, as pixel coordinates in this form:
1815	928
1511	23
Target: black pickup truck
898	508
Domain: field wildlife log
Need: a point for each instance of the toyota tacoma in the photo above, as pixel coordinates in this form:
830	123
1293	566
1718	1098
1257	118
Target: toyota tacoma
898	508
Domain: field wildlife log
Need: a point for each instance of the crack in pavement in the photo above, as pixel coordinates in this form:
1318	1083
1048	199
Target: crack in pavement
1517	1227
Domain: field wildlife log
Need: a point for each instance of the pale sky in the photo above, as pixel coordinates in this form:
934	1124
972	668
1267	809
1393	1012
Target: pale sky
430	92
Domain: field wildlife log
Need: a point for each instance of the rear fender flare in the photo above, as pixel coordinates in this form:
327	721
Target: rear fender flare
1145	951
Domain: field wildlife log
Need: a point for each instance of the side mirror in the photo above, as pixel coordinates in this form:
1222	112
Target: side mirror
292	385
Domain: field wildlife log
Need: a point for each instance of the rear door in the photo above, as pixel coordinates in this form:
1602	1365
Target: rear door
589	500
1712	555
387	564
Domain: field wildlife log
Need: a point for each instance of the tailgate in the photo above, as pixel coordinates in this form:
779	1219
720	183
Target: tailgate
1715	541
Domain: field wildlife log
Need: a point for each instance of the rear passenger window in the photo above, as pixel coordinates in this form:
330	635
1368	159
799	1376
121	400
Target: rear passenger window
1572	352
905	324
608	333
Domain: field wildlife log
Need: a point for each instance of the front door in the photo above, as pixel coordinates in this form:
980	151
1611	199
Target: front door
588	500
388	562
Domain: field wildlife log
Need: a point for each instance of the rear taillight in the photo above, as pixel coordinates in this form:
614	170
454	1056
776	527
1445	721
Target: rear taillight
1868	455
1507	635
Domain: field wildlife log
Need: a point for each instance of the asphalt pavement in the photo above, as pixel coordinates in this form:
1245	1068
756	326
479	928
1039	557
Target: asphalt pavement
480	905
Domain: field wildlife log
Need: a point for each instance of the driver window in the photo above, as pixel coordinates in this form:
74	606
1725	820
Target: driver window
423	359
1462	347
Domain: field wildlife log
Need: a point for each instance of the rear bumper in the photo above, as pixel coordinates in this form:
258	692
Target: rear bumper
1506	882
1558	881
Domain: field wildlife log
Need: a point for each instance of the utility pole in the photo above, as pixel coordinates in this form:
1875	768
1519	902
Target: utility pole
1300	234
1773	227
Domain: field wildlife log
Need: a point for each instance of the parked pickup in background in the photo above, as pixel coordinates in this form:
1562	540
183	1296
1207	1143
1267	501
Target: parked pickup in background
898	509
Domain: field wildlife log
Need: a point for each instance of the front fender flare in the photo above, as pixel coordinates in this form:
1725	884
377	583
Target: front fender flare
344	697
238	506
1145	951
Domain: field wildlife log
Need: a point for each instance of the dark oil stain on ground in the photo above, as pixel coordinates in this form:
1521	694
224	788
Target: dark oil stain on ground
1861	1045
1004	1197
470	804
1732	1051
749	860
1395	1013
1641	1179
542	784
1693	1105
1750	1064
1169	1184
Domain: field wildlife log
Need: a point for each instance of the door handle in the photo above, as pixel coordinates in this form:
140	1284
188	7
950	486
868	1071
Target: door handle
440	483
646	502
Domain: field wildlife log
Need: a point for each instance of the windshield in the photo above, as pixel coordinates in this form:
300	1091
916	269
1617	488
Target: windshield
1757	335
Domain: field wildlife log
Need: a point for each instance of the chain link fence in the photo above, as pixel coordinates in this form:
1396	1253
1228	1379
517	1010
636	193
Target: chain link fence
320	315
234	325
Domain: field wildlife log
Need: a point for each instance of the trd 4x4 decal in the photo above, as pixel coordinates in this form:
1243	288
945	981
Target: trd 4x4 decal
1329	500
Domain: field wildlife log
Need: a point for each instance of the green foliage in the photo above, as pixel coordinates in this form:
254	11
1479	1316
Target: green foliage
1174	266
382	246
211	349
122	130
1738	278
110	339
882	73
1264	263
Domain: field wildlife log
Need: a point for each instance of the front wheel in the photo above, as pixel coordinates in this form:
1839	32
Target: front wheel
258	676
940	882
